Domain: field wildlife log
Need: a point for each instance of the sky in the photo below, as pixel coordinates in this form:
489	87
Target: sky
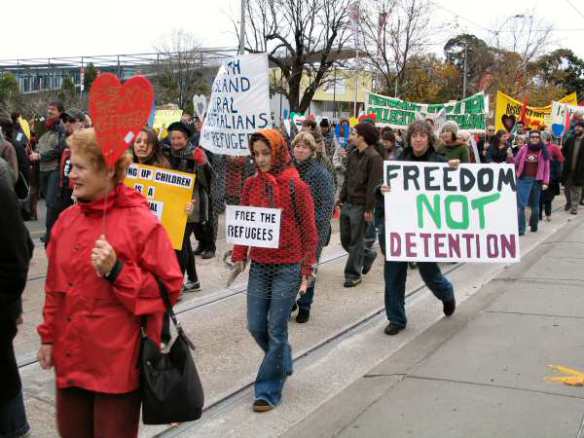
130	26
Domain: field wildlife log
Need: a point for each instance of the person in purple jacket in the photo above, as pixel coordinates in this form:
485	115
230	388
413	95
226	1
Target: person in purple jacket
532	164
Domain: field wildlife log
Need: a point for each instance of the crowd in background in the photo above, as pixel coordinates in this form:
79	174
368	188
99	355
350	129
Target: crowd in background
310	172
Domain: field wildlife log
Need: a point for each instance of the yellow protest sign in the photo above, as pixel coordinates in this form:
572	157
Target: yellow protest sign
163	118
168	192
25	127
508	112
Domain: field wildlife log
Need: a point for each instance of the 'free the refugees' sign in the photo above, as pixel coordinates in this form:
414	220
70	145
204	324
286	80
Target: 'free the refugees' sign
440	214
168	192
239	105
253	226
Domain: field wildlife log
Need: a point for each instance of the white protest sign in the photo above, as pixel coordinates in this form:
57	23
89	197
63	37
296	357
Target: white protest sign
253	226
434	213
239	105
200	105
559	111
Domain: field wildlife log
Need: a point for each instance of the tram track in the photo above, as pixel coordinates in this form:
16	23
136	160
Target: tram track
198	303
176	430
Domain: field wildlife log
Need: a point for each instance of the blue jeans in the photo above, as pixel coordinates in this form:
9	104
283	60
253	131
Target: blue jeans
528	193
395	275
271	292
13	418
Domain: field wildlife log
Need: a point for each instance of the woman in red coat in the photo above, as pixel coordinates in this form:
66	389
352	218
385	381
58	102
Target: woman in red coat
104	254
276	274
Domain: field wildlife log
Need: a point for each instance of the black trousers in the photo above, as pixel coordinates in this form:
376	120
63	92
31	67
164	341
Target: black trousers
9	377
185	256
204	233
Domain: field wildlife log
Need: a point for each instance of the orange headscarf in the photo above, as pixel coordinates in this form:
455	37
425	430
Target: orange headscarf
280	154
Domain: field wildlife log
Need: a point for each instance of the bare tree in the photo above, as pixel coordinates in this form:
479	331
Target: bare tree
178	69
303	39
393	31
518	42
524	34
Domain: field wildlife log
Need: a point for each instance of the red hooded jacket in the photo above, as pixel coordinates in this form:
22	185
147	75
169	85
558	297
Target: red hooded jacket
298	241
94	325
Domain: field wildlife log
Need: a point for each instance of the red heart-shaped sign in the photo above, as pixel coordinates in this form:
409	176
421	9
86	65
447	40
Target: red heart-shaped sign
119	112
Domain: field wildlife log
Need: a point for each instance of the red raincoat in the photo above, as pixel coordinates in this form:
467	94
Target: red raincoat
298	237
93	325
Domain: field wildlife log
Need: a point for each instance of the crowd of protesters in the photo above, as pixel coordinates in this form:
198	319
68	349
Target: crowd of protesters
308	173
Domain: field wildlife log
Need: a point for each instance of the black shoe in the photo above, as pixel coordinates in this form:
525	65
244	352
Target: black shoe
573	211
262	406
533	229
449	307
393	329
352	283
303	316
368	264
198	251
208	254
567	207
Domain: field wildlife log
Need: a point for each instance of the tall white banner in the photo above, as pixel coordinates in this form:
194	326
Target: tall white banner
434	213
239	105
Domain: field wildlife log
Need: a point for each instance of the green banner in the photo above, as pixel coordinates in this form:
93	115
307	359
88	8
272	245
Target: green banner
469	113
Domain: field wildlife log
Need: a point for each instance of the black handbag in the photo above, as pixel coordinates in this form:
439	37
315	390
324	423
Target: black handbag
171	388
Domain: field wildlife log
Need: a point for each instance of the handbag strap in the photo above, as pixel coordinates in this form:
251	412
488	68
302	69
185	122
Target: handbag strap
169	316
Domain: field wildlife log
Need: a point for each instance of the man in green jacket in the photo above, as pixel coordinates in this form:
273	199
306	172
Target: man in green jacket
50	146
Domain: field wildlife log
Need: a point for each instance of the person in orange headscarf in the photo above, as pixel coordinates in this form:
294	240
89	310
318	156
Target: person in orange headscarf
276	274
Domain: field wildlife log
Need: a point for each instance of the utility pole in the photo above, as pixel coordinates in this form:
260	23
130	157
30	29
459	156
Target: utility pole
242	28
465	70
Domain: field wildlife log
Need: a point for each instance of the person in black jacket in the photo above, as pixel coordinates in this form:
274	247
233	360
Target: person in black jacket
420	142
357	201
573	171
14	260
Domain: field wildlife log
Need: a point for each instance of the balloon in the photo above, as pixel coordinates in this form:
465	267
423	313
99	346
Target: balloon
119	112
557	129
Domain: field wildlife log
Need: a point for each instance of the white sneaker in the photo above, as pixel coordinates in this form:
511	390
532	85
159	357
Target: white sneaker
192	286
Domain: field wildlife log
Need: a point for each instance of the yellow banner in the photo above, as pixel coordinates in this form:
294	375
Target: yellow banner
168	192
163	118
508	112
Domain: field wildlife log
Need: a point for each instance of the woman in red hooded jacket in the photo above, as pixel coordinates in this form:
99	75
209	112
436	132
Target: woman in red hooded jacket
104	255
276	275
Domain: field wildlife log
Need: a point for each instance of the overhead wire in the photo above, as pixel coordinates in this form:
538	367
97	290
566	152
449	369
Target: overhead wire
578	11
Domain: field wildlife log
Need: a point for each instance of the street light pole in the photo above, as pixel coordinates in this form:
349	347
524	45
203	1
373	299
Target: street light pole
465	70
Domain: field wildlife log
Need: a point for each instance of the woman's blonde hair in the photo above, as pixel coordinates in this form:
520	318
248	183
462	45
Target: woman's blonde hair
307	138
84	143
